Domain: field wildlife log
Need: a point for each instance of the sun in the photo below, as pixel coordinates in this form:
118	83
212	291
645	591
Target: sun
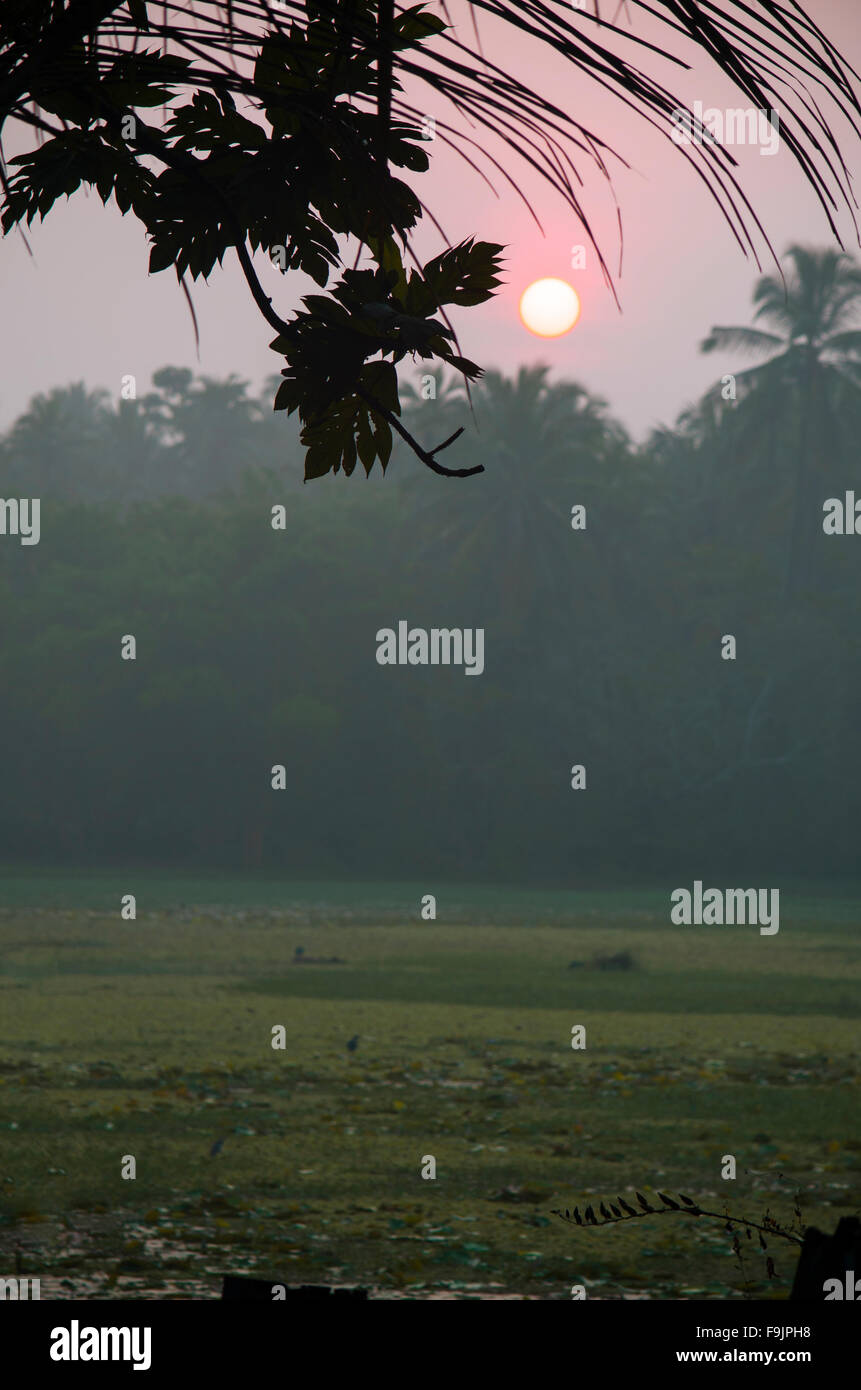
550	308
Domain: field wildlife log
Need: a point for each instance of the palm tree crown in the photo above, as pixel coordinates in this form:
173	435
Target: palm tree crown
806	393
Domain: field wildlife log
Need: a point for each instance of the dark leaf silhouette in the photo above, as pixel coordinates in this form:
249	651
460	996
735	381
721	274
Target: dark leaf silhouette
325	81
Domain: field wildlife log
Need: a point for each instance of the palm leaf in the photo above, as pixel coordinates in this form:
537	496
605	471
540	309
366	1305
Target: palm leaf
844	344
772	54
750	340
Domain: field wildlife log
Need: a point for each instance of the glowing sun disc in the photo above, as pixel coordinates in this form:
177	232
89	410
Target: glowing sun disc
550	307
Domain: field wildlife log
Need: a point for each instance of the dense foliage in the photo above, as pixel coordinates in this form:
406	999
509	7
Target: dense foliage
257	646
282	125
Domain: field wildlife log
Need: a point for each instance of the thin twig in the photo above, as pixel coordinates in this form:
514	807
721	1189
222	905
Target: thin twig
426	457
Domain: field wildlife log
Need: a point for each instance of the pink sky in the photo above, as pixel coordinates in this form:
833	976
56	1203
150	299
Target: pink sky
85	308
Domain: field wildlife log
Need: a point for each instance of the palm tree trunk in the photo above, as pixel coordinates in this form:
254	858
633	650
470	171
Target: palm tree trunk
798	559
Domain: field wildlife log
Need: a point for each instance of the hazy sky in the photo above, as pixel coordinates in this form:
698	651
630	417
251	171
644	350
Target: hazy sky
85	308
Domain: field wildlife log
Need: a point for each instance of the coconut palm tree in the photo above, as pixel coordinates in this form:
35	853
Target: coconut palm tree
550	444
808	388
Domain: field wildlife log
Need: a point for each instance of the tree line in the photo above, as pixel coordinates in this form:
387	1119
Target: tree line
603	628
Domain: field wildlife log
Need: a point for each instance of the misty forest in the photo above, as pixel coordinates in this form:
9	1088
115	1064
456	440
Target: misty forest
602	626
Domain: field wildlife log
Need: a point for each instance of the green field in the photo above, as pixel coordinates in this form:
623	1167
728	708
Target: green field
152	1038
